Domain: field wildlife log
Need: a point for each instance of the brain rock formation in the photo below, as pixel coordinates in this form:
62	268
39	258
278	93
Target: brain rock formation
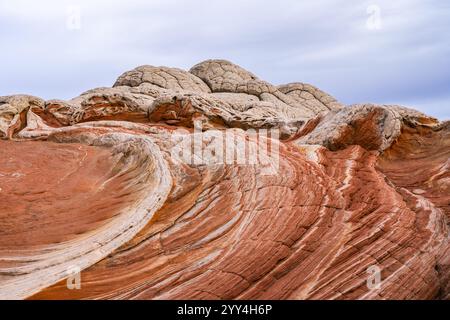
214	184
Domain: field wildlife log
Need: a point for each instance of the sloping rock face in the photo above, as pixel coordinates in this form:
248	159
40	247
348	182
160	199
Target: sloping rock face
214	184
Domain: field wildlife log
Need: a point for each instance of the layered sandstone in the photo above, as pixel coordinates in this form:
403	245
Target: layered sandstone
128	185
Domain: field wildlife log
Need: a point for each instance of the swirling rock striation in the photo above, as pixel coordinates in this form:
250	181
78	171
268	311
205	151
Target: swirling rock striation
214	184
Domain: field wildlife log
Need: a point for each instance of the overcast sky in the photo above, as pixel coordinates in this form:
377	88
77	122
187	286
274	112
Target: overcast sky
359	51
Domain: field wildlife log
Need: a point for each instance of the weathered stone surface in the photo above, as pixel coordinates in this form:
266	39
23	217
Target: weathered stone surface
162	77
224	76
314	98
374	127
13	110
212	112
105	183
98	104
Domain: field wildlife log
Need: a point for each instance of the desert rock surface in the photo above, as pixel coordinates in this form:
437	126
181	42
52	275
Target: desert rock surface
214	184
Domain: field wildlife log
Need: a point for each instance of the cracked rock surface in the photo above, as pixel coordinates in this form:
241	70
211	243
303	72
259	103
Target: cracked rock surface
128	185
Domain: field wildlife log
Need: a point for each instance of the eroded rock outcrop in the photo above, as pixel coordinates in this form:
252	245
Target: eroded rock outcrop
214	184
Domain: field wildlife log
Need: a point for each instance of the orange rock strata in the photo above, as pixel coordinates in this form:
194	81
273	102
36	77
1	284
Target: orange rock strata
95	183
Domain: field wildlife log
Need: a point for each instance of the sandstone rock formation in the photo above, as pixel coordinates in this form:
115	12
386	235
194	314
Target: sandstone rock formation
214	184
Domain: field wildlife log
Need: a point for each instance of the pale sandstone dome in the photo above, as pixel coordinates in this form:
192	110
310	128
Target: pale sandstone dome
91	182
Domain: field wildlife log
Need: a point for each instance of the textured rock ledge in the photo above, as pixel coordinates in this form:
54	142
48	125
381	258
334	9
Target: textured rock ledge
94	183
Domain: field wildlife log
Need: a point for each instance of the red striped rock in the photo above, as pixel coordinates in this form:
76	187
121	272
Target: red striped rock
174	185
